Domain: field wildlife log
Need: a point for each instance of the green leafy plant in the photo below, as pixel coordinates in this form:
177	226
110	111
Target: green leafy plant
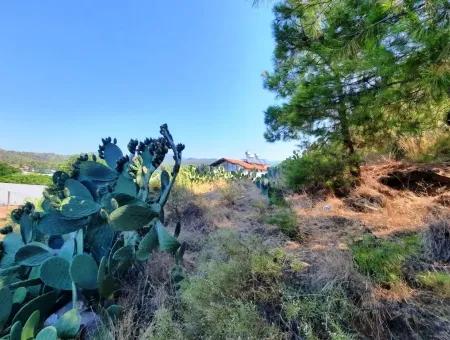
97	221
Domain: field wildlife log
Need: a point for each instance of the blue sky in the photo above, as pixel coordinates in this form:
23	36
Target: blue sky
72	72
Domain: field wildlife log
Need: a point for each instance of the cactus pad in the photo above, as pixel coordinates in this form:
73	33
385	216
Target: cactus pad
83	271
55	273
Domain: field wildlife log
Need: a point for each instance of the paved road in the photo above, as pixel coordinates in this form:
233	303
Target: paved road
18	193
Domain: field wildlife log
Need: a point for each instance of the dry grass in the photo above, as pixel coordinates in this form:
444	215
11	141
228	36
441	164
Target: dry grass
144	292
334	276
437	239
431	145
397	211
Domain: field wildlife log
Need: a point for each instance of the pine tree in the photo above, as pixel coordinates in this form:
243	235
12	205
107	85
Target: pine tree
360	72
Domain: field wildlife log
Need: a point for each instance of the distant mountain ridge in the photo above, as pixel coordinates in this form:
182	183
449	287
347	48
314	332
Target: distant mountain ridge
39	161
44	161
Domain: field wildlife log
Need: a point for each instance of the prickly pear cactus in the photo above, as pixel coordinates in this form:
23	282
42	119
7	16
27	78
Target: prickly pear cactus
271	179
95	224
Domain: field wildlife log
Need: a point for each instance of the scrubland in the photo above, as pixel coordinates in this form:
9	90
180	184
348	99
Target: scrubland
373	264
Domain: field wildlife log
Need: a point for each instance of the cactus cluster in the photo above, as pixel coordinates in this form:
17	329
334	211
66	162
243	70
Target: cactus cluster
272	178
95	223
207	174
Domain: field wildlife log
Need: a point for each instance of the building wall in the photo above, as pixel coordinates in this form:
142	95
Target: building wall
17	194
231	167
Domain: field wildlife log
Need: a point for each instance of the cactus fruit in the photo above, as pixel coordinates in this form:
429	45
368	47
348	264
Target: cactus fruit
97	221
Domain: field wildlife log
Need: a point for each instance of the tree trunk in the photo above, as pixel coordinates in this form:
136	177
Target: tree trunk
348	142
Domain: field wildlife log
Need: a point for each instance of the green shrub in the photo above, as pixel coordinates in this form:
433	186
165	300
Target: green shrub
286	221
438	282
276	197
236	279
383	259
321	167
323	315
6	169
163	327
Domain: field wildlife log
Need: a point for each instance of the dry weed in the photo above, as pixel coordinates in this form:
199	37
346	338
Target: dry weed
437	240
334	270
145	291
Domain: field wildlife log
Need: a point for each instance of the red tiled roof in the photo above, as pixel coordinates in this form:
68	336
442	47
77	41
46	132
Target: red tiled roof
244	164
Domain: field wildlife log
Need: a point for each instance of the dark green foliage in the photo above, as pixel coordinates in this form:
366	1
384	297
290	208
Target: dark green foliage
131	217
33	254
358	73
54	223
94	225
44	303
16	331
6	169
321	168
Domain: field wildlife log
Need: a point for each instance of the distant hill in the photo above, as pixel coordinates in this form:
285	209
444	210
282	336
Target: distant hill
43	162
40	162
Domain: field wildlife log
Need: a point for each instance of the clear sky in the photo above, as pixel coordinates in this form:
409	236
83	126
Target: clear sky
72	72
